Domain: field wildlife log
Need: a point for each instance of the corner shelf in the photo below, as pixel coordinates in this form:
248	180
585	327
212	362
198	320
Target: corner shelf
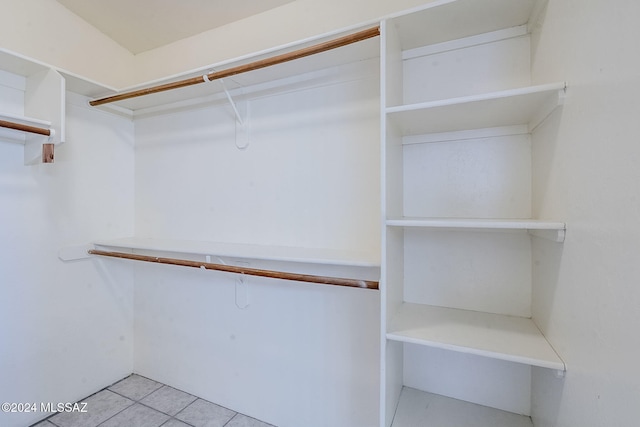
546	229
509	338
528	105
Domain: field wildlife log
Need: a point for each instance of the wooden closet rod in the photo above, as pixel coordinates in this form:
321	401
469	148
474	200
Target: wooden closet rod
25	128
354	283
256	65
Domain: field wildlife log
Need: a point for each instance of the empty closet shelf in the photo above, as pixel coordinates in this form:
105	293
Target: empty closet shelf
510	338
245	251
480	223
283	275
528	105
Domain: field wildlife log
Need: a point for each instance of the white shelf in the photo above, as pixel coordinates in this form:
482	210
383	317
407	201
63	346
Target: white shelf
510	338
418	408
551	230
480	223
528	105
255	83
245	251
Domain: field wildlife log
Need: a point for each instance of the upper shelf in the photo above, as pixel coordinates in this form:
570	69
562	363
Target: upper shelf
551	230
23	66
445	20
257	82
509	338
528	105
245	251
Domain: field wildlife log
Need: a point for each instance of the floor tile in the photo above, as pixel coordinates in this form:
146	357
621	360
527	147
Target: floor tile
100	407
168	400
137	416
135	387
205	414
175	423
244	421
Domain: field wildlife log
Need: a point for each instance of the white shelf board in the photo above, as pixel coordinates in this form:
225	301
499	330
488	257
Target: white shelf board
21	65
510	338
445	20
245	251
419	408
477	223
528	105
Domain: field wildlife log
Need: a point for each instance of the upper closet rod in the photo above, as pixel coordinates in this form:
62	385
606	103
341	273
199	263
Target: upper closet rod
25	128
354	283
278	59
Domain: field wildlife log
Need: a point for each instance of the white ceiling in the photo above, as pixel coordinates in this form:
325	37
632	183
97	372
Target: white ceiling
140	25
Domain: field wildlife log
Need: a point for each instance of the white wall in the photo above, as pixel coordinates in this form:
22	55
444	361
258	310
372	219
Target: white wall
289	23
67	327
589	303
48	32
300	354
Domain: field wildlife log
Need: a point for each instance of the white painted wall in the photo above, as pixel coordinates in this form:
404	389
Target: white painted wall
47	31
286	24
300	354
67	327
589	303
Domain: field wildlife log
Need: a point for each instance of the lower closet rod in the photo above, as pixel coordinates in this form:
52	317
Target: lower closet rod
354	283
25	128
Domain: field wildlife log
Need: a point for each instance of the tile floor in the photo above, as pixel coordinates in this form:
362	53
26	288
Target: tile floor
137	401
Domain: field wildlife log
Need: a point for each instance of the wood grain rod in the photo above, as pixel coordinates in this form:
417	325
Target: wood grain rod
324	280
25	128
256	65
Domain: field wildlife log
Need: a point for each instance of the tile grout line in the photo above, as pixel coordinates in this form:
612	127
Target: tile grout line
139	401
119	412
230	419
129	398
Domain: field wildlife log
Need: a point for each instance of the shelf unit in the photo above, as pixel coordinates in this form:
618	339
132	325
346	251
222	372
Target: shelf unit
44	94
458	112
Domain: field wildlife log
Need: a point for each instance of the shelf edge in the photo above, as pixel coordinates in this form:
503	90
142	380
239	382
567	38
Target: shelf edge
477	98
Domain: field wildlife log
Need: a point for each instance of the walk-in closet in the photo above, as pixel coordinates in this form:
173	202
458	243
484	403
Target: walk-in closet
319	214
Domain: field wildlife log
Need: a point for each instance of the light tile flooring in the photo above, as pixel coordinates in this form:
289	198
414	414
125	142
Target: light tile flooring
137	401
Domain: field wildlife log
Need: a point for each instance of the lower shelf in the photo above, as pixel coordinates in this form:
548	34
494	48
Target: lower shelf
418	408
510	338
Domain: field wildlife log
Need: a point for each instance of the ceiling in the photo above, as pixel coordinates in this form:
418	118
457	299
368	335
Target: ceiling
141	25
